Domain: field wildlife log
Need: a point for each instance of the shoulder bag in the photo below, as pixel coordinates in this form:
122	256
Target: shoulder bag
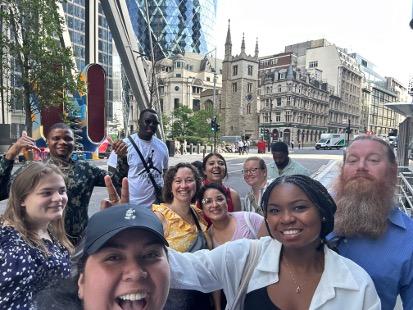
156	187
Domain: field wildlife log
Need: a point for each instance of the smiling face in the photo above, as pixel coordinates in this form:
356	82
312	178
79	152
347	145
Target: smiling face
184	185
148	124
46	202
215	169
254	175
130	271
292	218
61	143
367	159
214	204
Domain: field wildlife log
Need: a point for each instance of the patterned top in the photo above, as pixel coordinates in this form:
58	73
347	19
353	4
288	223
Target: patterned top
81	178
179	233
25	270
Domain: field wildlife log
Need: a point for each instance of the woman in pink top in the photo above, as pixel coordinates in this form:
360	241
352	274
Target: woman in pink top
228	226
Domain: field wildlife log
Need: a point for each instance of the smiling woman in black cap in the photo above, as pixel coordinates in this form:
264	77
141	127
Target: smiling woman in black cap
121	264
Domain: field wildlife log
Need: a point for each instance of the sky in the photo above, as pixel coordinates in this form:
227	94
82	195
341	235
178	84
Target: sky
376	29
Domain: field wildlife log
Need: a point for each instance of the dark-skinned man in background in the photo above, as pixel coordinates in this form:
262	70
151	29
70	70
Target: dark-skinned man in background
81	175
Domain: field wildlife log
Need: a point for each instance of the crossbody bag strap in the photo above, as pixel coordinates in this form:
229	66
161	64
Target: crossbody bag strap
196	220
145	165
249	267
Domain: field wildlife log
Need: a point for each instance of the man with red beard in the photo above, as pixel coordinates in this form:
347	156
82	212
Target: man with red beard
369	228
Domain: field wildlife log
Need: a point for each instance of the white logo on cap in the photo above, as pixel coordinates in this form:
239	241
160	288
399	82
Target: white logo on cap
130	214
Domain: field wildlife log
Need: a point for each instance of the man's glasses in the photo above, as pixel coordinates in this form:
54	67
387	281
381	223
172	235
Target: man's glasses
251	171
151	121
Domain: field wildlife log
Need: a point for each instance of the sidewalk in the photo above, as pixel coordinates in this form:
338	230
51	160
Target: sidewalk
327	174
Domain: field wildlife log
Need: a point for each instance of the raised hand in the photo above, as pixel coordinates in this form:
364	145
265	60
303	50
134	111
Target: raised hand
120	147
113	197
24	142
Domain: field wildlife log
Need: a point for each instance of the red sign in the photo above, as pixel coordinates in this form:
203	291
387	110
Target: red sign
95	100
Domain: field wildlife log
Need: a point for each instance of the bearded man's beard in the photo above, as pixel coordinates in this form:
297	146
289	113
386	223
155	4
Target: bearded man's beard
363	206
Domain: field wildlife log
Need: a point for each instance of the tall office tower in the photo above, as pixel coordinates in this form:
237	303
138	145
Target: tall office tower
91	40
177	25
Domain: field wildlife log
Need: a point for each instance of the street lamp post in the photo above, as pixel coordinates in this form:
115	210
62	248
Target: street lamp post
213	116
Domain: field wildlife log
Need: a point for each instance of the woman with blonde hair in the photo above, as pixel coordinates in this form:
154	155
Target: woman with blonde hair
34	249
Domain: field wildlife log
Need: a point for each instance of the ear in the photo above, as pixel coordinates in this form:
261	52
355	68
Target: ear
80	284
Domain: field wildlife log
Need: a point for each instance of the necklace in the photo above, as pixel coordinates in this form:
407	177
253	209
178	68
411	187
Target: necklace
299	287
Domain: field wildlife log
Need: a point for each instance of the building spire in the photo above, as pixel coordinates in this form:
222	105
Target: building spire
256	48
228	44
243	45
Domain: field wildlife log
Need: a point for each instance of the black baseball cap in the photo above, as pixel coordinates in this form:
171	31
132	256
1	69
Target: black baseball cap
107	223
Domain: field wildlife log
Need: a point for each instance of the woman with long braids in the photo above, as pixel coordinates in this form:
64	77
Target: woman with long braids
293	268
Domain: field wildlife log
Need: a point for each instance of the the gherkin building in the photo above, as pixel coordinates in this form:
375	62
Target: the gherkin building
177	25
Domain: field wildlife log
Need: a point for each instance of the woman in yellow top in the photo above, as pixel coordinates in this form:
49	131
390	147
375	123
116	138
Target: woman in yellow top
183	227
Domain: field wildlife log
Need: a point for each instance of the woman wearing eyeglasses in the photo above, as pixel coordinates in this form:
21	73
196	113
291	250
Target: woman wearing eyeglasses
215	170
255	175
227	226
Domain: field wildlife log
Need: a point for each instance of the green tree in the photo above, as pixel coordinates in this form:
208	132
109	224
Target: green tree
181	121
200	124
34	41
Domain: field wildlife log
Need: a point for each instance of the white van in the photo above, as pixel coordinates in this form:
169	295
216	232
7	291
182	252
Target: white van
331	141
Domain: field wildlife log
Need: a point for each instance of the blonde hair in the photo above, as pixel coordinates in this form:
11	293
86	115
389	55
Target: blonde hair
15	215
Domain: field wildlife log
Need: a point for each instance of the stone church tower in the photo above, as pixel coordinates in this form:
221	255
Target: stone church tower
238	110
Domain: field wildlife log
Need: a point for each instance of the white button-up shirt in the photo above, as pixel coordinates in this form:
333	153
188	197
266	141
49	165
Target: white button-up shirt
343	284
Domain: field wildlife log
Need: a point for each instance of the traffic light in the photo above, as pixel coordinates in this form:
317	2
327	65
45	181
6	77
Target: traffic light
213	124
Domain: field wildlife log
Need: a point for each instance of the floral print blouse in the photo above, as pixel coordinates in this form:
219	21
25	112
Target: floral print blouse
25	270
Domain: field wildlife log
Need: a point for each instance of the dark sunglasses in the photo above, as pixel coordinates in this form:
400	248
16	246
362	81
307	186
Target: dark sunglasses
151	121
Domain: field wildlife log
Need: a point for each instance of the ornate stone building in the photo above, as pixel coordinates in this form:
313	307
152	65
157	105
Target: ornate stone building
238	112
293	104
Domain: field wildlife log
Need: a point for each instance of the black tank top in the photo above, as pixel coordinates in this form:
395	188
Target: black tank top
259	299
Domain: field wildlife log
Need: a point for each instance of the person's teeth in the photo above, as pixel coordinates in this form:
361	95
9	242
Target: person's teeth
291	232
132	297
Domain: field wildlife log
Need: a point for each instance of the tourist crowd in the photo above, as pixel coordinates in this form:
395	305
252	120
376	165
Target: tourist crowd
177	237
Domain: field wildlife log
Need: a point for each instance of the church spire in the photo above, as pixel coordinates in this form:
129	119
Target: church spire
256	48
243	45
228	44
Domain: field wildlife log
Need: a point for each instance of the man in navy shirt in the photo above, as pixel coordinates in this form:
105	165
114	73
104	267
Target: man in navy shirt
369	228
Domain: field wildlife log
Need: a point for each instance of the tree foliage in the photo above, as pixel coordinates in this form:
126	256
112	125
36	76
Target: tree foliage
34	43
184	122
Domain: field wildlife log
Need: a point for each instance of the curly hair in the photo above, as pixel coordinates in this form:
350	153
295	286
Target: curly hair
169	178
317	194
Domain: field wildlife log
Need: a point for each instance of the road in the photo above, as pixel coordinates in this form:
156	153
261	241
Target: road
309	157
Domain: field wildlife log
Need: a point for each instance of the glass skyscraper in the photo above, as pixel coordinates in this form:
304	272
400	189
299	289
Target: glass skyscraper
177	25
89	46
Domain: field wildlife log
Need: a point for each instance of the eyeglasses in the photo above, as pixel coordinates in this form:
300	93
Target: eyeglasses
251	171
151	121
219	200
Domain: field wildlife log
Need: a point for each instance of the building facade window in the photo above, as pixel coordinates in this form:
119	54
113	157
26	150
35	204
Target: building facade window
250	70
176	103
249	87
234	87
313	64
235	70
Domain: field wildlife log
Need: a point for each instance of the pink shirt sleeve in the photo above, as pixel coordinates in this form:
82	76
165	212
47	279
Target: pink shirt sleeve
243	230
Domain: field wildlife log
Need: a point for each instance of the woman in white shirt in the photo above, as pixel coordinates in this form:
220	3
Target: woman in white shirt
294	268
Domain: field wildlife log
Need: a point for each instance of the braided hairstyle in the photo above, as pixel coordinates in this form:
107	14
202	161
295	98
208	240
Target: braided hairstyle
317	194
